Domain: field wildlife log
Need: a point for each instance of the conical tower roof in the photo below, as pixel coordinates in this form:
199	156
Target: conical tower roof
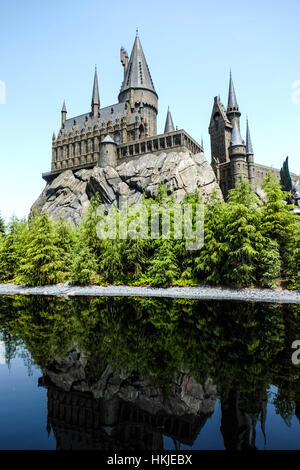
236	138
232	101
249	148
137	73
64	109
169	126
95	95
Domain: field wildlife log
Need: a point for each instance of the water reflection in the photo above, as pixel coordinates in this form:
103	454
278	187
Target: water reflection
124	373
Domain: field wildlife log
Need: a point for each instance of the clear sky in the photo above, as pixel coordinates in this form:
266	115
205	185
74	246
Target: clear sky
49	49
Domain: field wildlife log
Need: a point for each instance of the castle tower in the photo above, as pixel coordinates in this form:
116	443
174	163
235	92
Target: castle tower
137	88
233	112
250	157
237	155
169	126
107	152
220	129
95	104
63	114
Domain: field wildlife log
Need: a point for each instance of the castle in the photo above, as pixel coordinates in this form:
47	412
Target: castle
108	136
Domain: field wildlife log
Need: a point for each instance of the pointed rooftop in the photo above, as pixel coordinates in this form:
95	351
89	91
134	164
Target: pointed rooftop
232	101
249	148
137	73
169	126
64	109
108	140
236	138
95	95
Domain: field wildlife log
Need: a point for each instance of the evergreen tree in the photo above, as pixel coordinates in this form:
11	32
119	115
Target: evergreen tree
269	264
234	249
278	222
163	269
66	237
293	258
84	265
42	263
112	260
12	248
88	227
210	263
243	238
2	225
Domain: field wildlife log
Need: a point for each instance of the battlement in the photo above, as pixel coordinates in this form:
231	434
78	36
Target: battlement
88	158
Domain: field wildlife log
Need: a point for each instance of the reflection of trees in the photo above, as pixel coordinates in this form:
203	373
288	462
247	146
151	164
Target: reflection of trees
243	347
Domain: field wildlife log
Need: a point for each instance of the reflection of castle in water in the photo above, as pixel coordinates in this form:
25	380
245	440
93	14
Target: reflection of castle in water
118	413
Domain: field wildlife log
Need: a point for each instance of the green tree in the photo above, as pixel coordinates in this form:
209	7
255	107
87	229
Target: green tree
235	252
66	237
278	221
163	269
12	248
2	225
84	265
42	262
112	261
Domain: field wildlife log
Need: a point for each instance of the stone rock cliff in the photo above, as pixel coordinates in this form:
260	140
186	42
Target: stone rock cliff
68	195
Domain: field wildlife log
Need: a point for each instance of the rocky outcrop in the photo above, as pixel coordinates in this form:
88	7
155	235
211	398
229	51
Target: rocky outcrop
68	195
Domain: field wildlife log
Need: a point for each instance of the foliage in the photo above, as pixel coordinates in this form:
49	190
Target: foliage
84	265
2	225
247	242
12	248
43	261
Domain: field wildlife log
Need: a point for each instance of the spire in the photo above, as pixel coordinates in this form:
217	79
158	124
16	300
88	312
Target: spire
137	74
169	126
232	101
63	114
249	148
95	96
236	138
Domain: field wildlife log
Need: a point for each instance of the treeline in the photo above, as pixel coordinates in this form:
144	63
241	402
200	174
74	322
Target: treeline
247	242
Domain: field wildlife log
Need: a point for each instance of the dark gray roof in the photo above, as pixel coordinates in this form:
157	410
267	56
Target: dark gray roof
169	126
95	95
232	101
64	109
236	138
249	148
110	112
137	74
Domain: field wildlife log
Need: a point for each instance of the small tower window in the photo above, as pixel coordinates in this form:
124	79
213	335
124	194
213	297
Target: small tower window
141	131
216	120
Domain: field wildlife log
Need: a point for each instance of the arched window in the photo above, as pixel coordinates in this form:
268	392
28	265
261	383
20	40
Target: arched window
117	138
216	120
141	131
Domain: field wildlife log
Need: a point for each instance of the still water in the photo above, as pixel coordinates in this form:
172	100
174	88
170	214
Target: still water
137	373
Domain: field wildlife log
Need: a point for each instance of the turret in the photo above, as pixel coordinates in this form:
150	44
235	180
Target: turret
95	96
250	157
137	85
63	114
233	112
169	126
107	153
237	154
220	129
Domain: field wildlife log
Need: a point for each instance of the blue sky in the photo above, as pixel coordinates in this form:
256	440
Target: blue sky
49	49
